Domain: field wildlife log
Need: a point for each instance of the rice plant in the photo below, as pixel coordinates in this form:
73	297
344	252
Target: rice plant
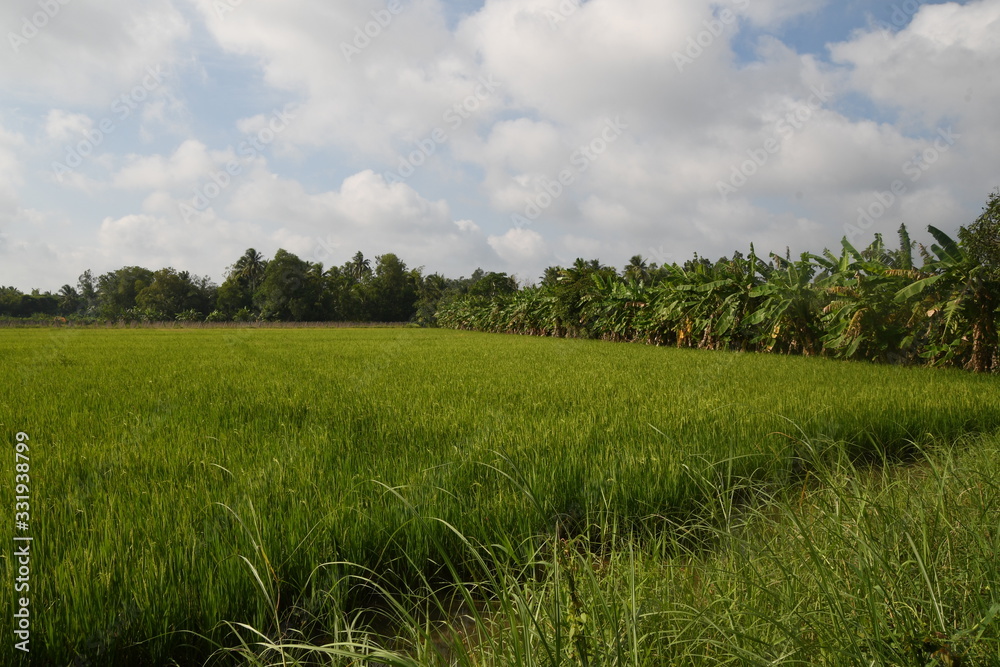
202	492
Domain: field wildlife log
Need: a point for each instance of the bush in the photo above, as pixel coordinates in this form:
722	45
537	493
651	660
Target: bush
216	316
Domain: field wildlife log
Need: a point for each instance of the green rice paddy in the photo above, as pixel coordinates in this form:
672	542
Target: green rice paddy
187	481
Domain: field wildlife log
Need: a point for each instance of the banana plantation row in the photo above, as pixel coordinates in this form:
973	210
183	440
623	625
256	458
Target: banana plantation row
871	304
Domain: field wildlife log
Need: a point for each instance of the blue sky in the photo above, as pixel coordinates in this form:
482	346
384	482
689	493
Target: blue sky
537	131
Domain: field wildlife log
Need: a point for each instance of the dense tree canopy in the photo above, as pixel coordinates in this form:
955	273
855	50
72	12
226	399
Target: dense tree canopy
282	288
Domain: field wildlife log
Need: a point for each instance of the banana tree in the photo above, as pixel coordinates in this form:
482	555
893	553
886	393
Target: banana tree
790	308
611	307
956	299
862	320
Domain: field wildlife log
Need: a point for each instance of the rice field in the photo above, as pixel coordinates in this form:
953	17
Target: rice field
198	492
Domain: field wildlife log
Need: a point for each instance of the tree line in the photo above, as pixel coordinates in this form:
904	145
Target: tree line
282	288
871	304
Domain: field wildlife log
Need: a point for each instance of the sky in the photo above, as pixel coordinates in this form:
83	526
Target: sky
510	135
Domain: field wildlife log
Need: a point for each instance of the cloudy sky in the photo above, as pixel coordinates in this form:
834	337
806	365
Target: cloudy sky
506	134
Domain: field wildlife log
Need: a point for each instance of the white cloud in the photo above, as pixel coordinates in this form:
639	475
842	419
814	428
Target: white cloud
158	241
520	247
942	64
87	53
534	94
938	74
260	209
62	126
773	13
11	178
189	163
364	213
397	89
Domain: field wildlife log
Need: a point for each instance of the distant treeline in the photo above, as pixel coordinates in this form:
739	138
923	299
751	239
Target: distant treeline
870	304
282	289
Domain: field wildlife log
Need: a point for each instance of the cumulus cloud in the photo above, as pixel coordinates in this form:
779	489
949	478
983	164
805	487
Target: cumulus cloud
86	52
942	64
371	91
191	161
521	248
160	241
63	125
525	133
937	77
262	210
365	213
11	177
774	13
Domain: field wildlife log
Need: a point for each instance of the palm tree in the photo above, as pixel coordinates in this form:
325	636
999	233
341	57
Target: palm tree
551	276
250	269
69	299
637	270
359	268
